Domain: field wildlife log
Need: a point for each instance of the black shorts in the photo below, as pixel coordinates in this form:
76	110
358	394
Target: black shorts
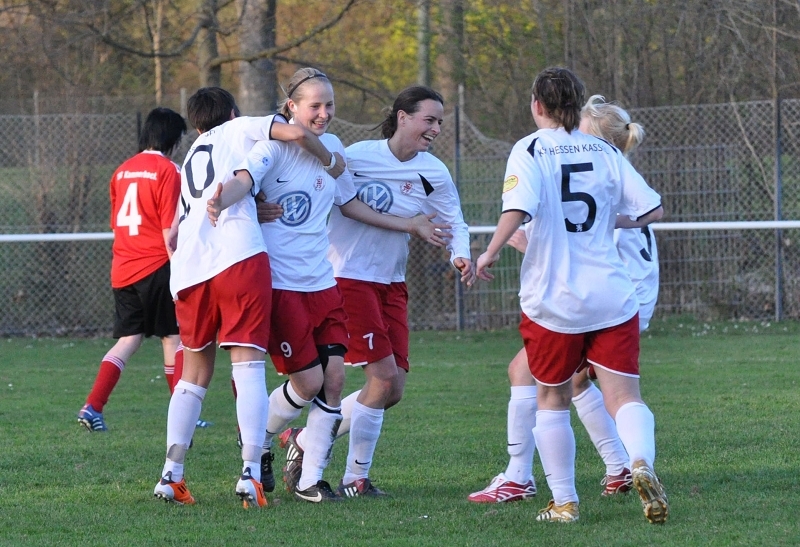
146	307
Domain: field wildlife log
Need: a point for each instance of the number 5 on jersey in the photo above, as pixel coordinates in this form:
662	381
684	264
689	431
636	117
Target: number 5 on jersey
568	195
128	214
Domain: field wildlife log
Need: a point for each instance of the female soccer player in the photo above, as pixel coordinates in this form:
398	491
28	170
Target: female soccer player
309	342
395	176
578	302
637	250
218	273
144	196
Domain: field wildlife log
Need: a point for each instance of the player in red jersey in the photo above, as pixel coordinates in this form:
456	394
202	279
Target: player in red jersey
144	195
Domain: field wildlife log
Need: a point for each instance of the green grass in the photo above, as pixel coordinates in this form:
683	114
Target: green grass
726	406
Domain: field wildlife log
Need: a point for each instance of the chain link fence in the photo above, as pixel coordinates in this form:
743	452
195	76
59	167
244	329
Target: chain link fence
709	162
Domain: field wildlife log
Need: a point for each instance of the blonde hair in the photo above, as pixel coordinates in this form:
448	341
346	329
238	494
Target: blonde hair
300	77
612	123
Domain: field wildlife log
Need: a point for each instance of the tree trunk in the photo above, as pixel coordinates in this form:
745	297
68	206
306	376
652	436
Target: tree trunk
424	43
207	45
258	84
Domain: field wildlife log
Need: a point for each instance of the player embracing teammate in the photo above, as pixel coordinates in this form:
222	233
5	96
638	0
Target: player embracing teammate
578	301
221	282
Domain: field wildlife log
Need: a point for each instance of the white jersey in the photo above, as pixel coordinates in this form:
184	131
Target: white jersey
298	241
204	250
571	187
404	189
638	251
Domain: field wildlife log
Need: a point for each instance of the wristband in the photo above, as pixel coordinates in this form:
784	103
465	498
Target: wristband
332	164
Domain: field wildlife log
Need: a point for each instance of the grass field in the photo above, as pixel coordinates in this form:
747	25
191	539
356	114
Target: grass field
725	397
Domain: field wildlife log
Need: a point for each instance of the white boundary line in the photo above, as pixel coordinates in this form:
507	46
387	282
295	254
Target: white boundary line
699	226
475	230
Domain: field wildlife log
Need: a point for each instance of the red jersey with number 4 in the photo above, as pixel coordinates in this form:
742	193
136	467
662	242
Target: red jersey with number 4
144	197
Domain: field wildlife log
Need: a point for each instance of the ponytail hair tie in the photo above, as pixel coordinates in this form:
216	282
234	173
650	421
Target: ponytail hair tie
627	126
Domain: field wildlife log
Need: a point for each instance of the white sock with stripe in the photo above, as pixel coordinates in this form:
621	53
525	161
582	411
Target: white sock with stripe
285	405
347	413
318	437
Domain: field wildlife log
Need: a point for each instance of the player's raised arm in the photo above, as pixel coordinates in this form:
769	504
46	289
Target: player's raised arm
333	162
227	194
624	221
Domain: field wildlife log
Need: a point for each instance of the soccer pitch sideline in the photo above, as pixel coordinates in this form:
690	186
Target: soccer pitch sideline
725	397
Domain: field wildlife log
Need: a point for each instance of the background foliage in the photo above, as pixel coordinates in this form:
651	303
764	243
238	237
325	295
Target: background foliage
640	52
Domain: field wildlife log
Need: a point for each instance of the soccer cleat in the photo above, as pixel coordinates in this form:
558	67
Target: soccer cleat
654	498
267	476
617	484
360	488
173	492
319	493
203	424
559	513
250	491
502	490
92	420
294	457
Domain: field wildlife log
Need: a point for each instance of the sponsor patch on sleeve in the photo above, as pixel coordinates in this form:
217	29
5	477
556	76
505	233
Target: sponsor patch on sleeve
510	183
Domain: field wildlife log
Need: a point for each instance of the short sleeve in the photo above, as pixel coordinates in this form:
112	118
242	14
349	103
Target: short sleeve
638	198
169	194
261	159
259	128
522	182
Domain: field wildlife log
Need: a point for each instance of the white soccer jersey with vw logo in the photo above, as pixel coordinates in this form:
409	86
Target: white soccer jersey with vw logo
298	241
638	251
405	189
571	187
204	250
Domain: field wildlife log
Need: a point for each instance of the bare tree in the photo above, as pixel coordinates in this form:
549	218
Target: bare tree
257	79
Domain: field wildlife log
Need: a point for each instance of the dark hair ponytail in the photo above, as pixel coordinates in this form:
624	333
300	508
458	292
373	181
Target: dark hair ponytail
408	101
561	93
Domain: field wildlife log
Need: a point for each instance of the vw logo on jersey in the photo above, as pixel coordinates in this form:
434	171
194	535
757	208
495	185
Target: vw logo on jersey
377	195
296	208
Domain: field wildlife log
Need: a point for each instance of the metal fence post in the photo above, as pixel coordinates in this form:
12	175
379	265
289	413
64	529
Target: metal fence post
459	289
778	213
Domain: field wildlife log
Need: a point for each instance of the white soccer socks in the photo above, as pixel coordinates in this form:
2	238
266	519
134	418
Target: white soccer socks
347	413
555	441
285	405
636	426
318	436
252	407
364	433
521	445
602	429
184	410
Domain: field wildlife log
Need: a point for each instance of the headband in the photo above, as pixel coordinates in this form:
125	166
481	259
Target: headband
304	80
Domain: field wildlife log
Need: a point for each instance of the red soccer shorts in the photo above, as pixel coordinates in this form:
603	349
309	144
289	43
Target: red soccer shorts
233	307
377	320
554	357
301	321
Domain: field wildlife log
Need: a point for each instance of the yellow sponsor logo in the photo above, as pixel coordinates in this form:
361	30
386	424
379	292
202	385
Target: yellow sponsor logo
510	183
